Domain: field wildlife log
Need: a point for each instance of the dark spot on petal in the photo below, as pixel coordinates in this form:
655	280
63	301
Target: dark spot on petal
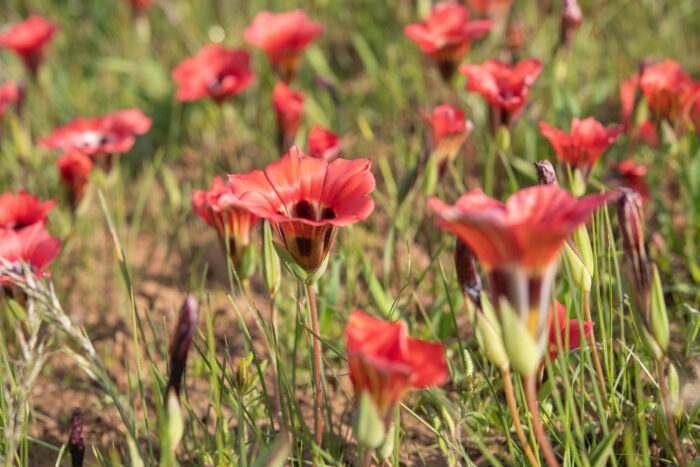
327	238
328	213
305	210
304	246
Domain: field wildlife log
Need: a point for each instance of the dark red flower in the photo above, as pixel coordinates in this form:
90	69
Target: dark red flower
323	143
23	210
10	92
28	39
74	168
215	72
505	88
306	199
386	363
283	37
664	86
107	134
574	337
224	210
141	4
632	176
447	34
448	129
491	8
32	245
583	147
288	108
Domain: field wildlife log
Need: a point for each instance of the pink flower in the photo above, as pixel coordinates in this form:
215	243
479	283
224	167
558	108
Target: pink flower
288	108
28	39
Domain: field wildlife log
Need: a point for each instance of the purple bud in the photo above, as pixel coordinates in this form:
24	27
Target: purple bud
467	273
76	445
571	18
545	173
181	341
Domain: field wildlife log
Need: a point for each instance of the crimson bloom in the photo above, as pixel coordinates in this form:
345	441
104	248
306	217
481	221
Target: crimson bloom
28	39
582	148
448	130
491	8
23	210
505	88
10	92
100	136
306	199
74	168
632	176
33	246
518	244
233	222
664	86
386	363
288	108
447	34
283	37
323	143
215	72
559	332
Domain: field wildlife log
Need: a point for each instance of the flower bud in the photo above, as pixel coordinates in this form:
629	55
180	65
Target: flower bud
367	423
467	274
271	263
76	444
571	18
545	173
659	317
580	274
181	341
245	379
524	352
631	220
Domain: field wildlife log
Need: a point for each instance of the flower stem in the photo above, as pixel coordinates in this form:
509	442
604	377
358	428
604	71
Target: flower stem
533	405
594	349
318	425
513	407
367	457
660	366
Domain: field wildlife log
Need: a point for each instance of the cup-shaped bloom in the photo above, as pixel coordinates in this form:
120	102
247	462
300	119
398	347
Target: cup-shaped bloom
664	85
283	37
233	222
306	199
631	175
518	244
22	210
505	88
496	9
448	130
559	332
581	148
385	362
31	246
74	167
323	143
28	39
446	35
112	133
215	72
288	108
10	93
182	340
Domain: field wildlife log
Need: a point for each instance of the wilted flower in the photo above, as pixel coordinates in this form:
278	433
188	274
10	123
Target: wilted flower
518	244
215	72
664	86
28	39
385	362
10	92
571	18
306	199
447	34
631	175
224	211
76	444
182	340
74	168
323	143
545	173
505	88
574	337
448	130
496	9
32	246
288	108
23	210
283	37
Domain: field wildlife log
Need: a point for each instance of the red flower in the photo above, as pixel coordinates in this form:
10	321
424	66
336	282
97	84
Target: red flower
28	39
33	246
664	86
691	105
283	37
386	363
288	108
23	210
492	8
448	129
323	143
574	337
505	88
9	92
223	210
632	176
447	34
306	199
584	146
74	168
214	72
141	4
108	134
646	131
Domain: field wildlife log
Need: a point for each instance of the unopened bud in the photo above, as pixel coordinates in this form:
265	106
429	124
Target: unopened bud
181	341
545	173
467	274
76	444
571	18
271	263
631	219
523	349
245	378
367	423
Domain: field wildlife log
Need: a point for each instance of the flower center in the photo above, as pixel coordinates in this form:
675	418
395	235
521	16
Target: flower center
93	139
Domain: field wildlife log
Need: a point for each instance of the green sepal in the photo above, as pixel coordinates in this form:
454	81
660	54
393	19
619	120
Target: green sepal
246	262
297	271
580	274
387	447
659	317
524	352
430	175
503	138
176	425
270	261
583	243
367	423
